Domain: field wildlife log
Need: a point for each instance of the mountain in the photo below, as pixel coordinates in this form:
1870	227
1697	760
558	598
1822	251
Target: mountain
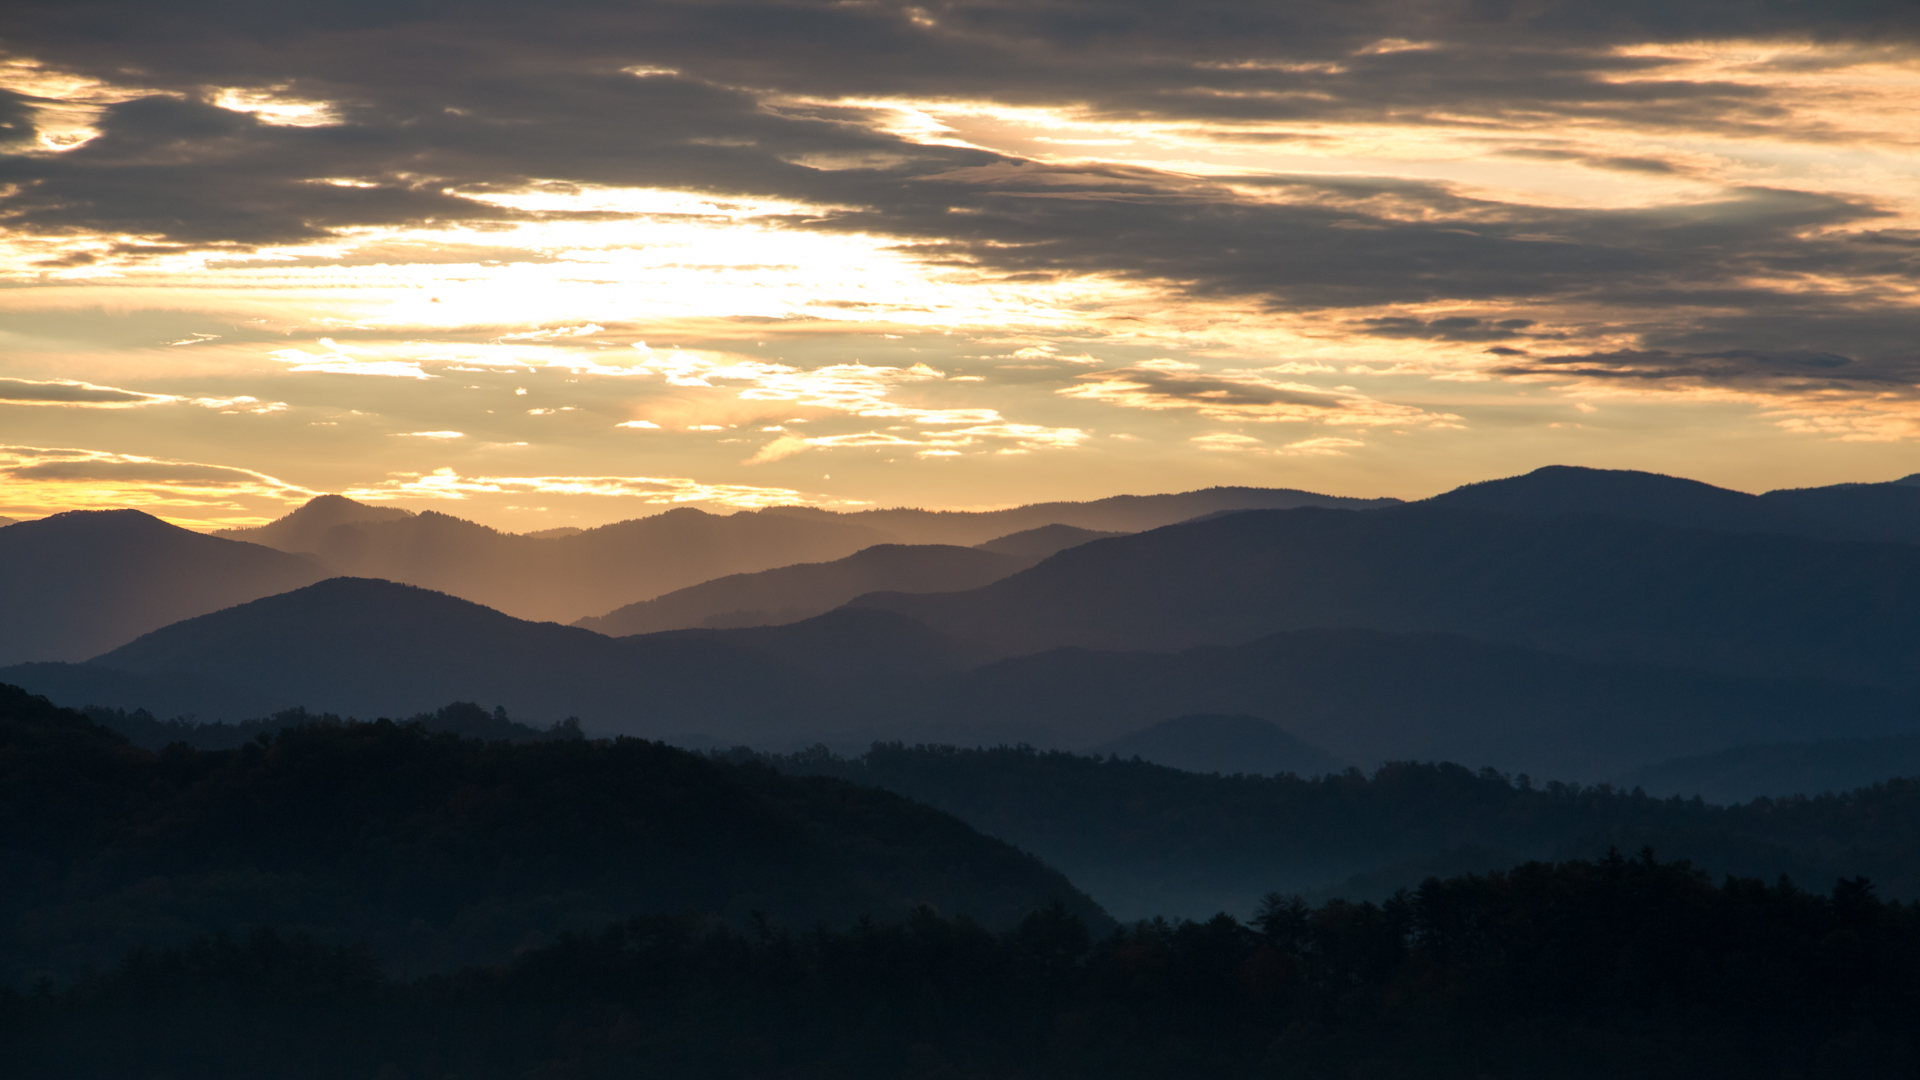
1032	545
1871	512
1144	839
562	577
435	851
5	521
1781	769
367	648
1605	588
1367	697
792	593
1121	513
306	528
80	583
1212	743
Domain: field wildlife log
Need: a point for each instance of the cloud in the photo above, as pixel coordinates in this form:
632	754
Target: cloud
70	394
431	434
49	480
445	483
1243	395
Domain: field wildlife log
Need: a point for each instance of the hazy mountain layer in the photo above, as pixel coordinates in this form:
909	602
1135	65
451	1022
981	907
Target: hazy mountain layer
791	593
437	851
77	584
1214	743
1033	545
1599	587
1744	773
1144	839
369	648
560	576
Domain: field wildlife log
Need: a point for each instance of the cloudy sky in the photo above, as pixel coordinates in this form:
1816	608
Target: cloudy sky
573	262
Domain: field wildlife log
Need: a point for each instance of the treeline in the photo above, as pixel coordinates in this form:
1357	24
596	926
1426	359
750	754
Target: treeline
1606	968
465	718
438	850
1145	839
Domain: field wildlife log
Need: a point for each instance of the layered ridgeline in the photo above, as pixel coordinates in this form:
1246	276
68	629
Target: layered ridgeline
791	593
77	584
365	648
566	574
436	850
1144	839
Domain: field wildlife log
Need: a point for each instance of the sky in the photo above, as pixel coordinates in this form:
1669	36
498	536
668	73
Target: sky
570	263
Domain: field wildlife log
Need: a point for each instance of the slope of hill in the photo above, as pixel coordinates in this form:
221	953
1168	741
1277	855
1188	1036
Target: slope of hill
80	583
1144	839
5	521
1214	743
1744	773
1121	513
438	851
361	647
791	593
1033	545
1604	588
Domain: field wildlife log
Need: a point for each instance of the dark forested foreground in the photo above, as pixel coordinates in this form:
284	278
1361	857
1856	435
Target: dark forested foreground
1610	968
438	851
1144	839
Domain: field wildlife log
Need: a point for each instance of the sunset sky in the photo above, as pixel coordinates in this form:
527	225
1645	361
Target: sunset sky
569	263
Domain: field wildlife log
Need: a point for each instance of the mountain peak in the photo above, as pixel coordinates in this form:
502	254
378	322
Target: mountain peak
301	529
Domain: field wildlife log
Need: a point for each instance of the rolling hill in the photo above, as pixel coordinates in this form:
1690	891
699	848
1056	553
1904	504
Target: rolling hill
77	584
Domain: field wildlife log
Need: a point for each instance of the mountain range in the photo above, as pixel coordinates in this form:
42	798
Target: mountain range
563	575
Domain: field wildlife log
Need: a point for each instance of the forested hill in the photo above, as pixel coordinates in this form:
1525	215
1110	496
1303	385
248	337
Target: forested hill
437	850
1591	969
1148	840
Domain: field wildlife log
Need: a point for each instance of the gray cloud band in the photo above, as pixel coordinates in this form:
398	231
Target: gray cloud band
502	98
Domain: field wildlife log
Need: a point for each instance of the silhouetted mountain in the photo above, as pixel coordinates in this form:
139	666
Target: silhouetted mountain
5	521
583	574
77	584
1744	773
554	534
1642	496
792	593
305	529
1145	839
437	850
1607	588
1368	697
1871	512
1213	743
1033	545
361	647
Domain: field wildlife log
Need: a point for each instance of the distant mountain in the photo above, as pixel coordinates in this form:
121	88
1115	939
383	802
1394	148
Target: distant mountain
434	851
792	593
554	534
1212	743
1600	587
1033	545
1779	769
369	648
562	578
1871	512
77	584
306	528
5	521
1367	697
